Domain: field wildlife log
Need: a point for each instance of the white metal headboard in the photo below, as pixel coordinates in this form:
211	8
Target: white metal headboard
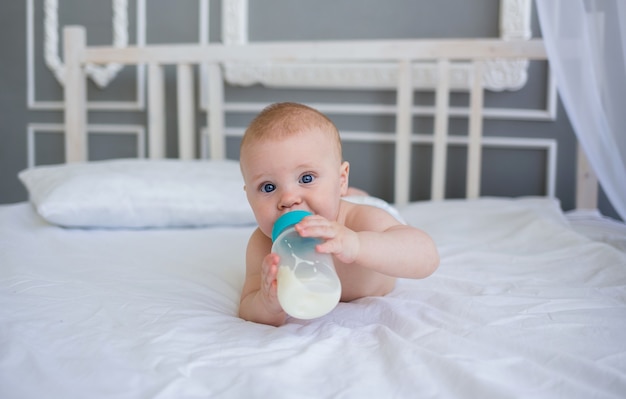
403	53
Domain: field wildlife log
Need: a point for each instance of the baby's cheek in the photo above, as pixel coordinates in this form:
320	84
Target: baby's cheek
266	227
267	231
265	223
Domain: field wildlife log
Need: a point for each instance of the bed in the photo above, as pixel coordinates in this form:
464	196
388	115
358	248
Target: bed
121	278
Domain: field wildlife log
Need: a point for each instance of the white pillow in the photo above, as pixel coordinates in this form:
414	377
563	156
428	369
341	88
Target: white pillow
136	193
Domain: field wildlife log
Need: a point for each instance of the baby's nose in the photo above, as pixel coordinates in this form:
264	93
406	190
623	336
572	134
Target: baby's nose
289	198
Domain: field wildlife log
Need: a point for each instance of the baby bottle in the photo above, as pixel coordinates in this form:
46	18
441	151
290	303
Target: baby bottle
308	285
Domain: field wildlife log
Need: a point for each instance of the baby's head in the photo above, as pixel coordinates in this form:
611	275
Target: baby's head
281	120
290	158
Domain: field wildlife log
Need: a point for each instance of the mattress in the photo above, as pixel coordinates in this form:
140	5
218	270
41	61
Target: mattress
522	305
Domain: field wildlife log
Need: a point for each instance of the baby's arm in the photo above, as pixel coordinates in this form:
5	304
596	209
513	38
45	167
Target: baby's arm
259	300
375	240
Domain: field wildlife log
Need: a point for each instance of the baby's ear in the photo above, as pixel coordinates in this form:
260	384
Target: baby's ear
344	174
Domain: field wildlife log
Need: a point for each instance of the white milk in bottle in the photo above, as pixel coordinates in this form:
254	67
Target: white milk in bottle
308	285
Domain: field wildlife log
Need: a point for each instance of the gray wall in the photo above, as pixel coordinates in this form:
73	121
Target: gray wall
504	170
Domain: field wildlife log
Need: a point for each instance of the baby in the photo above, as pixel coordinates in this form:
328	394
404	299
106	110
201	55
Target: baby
291	159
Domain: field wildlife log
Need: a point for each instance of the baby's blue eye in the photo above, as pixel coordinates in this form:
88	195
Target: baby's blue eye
268	187
306	179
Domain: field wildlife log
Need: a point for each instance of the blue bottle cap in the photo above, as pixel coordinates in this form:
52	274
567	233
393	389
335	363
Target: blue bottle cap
286	220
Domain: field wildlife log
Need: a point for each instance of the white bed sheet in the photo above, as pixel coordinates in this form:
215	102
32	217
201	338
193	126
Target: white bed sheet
591	223
521	306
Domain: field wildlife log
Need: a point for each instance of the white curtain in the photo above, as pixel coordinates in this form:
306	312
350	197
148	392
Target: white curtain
586	45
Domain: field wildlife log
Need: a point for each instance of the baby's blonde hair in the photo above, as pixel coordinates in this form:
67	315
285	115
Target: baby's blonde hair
284	119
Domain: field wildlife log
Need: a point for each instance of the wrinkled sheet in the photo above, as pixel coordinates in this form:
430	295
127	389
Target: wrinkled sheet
521	306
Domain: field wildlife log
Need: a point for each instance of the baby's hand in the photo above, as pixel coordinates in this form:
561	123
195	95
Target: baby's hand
269	292
338	239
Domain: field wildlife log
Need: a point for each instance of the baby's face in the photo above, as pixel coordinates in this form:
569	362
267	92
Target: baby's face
301	171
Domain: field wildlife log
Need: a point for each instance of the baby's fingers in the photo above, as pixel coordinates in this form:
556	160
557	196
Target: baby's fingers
345	246
269	271
269	286
316	226
329	247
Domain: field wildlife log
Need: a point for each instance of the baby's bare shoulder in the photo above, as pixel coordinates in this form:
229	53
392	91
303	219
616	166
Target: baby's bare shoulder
259	245
360	217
